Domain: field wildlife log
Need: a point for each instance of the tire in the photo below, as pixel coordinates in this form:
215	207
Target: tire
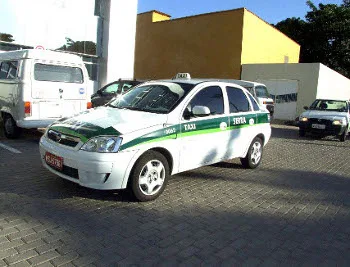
342	137
254	155
11	130
302	132
149	176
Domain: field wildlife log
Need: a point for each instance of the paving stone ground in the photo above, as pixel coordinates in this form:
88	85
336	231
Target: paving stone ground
293	210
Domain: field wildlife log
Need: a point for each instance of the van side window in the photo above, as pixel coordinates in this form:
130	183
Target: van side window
8	70
255	105
237	100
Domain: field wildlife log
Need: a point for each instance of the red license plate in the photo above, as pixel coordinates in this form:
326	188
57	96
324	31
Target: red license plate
54	161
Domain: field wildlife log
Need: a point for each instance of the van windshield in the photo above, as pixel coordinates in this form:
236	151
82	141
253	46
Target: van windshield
261	91
56	73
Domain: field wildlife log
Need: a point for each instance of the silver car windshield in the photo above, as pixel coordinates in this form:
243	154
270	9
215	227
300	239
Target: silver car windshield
330	105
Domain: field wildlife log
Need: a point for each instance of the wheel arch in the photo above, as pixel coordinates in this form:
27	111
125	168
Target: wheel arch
165	152
261	136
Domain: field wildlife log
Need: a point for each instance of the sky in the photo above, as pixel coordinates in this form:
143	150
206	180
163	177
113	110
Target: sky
271	11
29	25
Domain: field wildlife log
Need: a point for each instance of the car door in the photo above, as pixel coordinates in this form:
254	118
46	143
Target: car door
203	139
242	121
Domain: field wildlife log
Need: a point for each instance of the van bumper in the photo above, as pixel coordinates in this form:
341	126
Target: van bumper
28	123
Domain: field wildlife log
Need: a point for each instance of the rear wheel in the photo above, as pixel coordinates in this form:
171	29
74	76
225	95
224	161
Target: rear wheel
10	127
254	155
149	176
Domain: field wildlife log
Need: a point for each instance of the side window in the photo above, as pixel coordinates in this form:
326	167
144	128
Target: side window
255	105
210	97
4	68
111	89
126	87
12	73
237	100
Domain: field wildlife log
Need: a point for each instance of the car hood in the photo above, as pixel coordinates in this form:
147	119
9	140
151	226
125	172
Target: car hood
319	114
107	121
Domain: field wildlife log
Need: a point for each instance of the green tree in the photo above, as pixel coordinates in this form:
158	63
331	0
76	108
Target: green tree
86	47
6	37
324	35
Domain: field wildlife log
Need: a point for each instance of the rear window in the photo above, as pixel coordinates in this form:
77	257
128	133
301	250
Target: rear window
55	73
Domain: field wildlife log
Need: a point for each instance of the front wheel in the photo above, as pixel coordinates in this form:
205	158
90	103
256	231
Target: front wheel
149	176
342	137
254	155
11	129
302	132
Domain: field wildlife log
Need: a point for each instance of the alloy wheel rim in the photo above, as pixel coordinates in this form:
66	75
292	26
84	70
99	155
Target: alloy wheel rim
151	177
256	153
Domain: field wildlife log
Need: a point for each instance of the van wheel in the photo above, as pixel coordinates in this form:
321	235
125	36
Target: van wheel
149	176
254	155
10	127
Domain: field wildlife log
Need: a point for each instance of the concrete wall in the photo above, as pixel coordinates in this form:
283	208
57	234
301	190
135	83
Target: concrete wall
332	85
117	32
207	45
307	76
263	43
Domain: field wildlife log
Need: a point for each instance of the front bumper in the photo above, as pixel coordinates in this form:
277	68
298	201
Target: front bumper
104	171
329	128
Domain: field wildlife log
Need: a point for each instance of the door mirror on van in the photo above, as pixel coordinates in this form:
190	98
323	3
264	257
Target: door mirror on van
200	111
306	107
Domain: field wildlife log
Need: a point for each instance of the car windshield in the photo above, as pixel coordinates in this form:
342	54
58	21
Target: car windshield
331	105
155	98
261	91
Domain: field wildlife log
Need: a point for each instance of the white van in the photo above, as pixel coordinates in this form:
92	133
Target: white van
259	91
38	87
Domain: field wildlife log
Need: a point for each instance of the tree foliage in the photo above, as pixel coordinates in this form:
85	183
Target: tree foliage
85	47
6	37
324	35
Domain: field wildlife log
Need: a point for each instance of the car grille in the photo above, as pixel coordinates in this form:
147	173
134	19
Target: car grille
321	121
63	139
69	171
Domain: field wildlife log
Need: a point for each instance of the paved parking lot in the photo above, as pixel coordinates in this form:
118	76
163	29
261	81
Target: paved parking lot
293	210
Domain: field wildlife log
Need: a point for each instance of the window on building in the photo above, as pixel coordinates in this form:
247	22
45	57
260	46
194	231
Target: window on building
238	101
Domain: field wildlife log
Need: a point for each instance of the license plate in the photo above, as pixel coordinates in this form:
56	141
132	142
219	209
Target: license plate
318	126
54	161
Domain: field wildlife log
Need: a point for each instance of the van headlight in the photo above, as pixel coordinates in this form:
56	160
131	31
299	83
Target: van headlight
103	144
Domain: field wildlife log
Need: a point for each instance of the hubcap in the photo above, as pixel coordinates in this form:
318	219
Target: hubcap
9	126
256	153
152	177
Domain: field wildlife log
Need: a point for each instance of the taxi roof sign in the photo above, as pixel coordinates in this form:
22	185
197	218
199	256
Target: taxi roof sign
185	76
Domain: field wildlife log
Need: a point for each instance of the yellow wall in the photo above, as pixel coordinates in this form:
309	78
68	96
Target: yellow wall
213	45
263	43
207	45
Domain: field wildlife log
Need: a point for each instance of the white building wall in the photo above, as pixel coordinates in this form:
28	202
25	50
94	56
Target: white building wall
306	75
118	33
332	85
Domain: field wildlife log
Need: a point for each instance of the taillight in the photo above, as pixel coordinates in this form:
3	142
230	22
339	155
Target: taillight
88	105
27	109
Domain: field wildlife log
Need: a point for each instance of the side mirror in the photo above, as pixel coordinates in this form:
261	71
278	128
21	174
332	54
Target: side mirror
306	107
200	111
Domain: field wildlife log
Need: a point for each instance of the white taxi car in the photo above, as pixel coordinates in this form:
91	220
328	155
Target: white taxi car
158	129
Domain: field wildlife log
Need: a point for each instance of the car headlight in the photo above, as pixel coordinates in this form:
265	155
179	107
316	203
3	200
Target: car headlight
304	119
103	144
338	122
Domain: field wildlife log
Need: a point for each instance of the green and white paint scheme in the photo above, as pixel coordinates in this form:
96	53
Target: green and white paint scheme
185	143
